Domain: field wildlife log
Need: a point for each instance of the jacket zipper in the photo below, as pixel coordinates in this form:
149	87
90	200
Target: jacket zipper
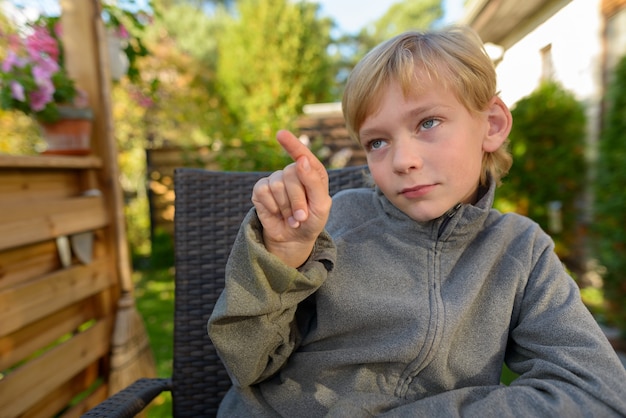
448	215
431	334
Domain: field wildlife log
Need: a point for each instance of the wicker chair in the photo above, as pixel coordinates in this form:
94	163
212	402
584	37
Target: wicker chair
210	206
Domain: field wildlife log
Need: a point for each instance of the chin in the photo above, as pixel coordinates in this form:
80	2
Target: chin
422	216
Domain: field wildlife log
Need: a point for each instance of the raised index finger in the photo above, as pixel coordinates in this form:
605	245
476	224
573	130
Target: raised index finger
295	148
306	163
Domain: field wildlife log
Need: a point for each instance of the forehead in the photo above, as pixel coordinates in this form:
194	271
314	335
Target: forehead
411	84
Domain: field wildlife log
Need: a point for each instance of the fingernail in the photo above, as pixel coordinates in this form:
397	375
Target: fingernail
300	215
292	222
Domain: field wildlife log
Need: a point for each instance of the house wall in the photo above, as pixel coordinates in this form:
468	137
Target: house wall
615	34
575	37
575	34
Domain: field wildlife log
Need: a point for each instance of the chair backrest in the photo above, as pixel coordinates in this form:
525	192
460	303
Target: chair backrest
210	206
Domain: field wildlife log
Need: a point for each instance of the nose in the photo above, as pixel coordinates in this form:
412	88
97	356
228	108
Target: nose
406	155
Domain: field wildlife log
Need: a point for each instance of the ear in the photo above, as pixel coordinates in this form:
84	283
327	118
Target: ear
500	122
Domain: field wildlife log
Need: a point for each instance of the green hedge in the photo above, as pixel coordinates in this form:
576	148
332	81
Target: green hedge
549	164
609	225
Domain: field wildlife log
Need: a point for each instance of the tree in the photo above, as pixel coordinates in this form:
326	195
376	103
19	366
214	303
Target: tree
199	6
610	205
406	15
175	102
402	16
272	60
194	31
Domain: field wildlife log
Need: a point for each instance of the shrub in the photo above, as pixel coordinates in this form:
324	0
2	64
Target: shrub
549	165
609	227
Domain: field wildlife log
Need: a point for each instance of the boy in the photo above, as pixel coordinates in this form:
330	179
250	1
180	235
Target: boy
406	299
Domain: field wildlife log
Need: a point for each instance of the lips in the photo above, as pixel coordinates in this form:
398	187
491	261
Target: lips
417	191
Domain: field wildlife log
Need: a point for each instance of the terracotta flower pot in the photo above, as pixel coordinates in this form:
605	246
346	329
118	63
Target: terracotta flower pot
71	134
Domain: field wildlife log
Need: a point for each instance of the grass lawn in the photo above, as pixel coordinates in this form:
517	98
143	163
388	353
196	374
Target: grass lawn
154	293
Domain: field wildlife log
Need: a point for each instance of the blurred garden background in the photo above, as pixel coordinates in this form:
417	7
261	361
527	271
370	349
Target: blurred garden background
216	79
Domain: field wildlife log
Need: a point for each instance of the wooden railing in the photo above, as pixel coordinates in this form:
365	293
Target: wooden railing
57	302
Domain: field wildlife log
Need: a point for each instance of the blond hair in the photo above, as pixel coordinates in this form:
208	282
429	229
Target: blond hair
454	56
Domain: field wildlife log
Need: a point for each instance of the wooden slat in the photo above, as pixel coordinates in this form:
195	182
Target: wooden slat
49	161
26	304
27	263
59	398
26	341
54	207
42	222
23	187
17	265
28	385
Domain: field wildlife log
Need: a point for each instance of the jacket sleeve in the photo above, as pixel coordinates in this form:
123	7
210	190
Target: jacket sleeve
565	364
253	325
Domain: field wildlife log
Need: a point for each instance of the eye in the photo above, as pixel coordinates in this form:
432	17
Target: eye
375	144
429	123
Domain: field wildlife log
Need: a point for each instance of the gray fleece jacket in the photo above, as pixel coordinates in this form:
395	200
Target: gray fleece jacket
392	317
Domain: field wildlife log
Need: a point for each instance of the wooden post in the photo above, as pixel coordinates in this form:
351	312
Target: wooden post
86	59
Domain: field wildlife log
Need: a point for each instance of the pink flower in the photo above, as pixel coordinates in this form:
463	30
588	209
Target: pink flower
15	42
141	99
42	73
122	32
31	76
81	99
44	68
12	60
58	30
42	96
17	91
40	42
146	102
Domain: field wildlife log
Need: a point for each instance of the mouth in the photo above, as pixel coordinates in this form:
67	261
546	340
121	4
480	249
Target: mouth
417	191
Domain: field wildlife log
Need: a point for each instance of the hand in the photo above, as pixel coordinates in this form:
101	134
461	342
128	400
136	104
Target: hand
293	203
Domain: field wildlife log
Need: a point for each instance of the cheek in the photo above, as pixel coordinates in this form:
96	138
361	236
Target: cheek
470	151
376	172
469	165
379	174
462	163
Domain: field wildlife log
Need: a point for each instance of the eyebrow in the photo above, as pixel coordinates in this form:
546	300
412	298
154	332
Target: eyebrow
367	133
412	113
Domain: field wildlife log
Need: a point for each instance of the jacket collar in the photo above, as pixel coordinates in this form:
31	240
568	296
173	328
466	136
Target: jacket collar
457	223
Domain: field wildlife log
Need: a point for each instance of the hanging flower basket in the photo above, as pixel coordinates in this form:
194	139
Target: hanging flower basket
70	134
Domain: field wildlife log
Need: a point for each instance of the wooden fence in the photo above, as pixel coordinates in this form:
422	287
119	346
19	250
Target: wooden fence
64	263
57	293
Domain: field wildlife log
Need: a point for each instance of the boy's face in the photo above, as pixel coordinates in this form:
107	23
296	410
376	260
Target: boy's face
425	151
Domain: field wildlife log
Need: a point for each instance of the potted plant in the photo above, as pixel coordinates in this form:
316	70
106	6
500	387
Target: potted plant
33	80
